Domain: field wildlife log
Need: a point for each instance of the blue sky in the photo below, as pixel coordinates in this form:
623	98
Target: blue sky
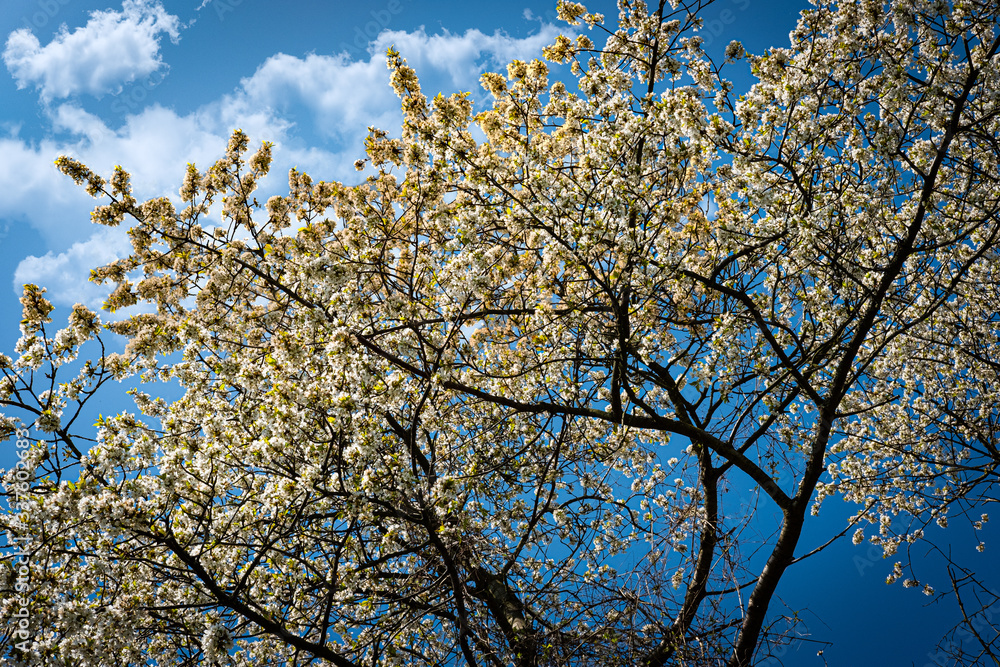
155	85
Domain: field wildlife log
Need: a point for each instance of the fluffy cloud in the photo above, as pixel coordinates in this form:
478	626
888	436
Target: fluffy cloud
112	49
463	58
333	97
64	274
35	193
344	96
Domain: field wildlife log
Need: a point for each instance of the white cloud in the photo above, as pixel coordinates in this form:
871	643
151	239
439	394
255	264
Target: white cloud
344	97
65	274
155	145
79	122
37	194
340	98
463	57
113	49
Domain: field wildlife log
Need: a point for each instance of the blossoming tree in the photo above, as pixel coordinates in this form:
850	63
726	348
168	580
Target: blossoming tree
513	398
